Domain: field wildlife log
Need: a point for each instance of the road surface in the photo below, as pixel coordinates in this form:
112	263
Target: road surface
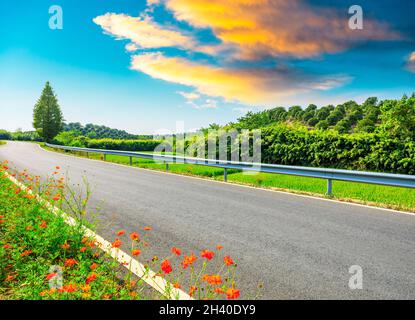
297	247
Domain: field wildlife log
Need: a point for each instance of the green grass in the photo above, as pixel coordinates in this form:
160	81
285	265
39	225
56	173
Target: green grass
31	242
383	196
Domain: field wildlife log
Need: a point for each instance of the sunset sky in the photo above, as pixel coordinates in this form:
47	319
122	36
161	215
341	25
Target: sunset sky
143	65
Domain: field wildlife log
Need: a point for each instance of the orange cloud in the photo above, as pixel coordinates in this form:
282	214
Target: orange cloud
258	86
259	28
143	32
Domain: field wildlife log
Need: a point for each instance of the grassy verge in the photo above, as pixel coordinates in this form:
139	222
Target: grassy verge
43	257
382	196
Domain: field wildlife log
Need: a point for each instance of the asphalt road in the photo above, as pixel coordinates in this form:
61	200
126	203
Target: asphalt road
298	247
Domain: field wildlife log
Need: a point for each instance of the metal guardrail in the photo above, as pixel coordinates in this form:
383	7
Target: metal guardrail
396	180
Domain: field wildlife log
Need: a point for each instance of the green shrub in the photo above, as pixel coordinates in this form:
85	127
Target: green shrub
126	145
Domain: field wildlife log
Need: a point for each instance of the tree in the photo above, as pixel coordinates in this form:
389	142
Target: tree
47	115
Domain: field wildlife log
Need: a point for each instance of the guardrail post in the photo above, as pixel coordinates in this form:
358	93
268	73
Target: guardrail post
329	187
131	161
167	167
225	174
105	157
87	154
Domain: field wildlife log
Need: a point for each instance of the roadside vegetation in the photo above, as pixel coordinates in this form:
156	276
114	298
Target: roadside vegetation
44	257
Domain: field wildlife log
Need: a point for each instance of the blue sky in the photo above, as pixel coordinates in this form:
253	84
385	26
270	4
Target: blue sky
143	66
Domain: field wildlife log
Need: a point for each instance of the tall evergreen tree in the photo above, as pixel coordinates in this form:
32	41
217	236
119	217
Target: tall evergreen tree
47	115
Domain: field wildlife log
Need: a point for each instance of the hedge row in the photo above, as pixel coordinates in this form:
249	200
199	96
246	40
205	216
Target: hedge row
366	151
125	145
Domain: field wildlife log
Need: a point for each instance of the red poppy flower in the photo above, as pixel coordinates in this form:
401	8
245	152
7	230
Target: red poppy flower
213	279
136	252
120	233
83	249
68	288
70	262
192	290
166	267
91	278
51	276
176	251
134	236
188	260
6	246
207	254
9	278
117	243
43	225
93	266
65	246
25	253
232	293
147	228
228	261
218	290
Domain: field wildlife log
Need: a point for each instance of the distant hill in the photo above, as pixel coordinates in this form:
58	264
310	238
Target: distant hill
94	131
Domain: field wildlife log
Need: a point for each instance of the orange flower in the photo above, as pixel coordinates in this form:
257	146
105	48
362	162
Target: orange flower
134	236
86	288
147	228
232	293
136	252
90	243
91	278
192	290
58	168
25	253
65	246
117	243
57	197
207	254
9	278
228	261
83	249
120	233
68	288
218	290
70	262
188	260
43	225
166	267
51	276
6	246
176	251
213	279
28	228
93	266
177	285
219	247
